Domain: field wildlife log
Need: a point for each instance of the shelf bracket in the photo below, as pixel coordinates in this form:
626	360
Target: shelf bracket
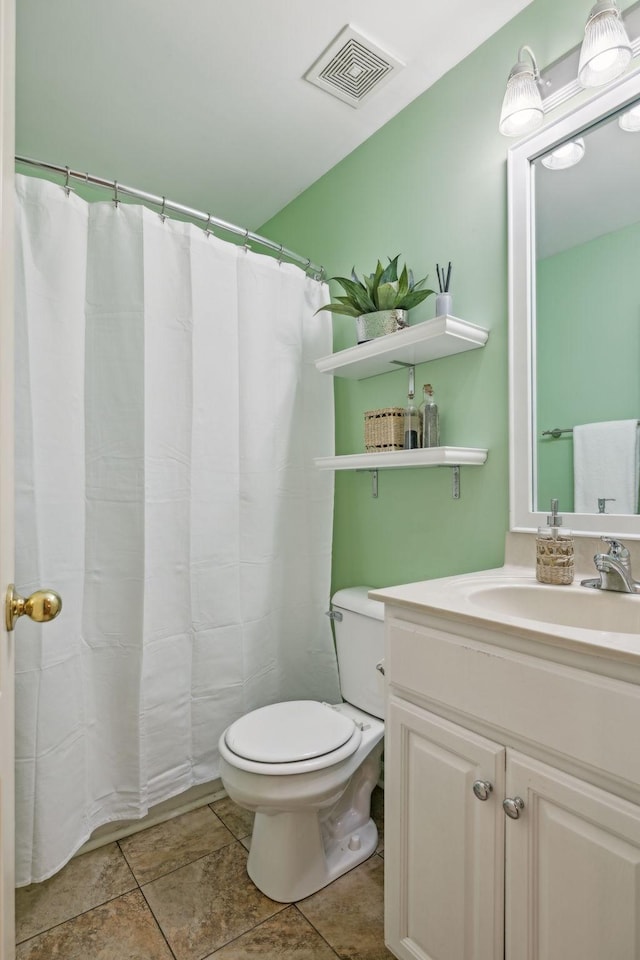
374	480
455	482
412	374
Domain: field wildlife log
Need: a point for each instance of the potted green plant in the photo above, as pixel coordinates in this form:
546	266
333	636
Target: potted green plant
380	301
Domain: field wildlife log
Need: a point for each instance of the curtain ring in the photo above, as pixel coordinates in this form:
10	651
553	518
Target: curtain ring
116	201
163	215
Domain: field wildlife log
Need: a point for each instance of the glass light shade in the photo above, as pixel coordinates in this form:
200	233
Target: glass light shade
606	51
564	156
522	105
630	120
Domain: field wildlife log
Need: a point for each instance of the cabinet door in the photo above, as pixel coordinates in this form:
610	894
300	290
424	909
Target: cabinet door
573	868
444	848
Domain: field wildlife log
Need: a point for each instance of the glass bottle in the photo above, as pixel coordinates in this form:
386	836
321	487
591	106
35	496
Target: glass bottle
411	424
430	418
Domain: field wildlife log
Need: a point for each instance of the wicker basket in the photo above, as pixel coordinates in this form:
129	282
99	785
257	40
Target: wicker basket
383	429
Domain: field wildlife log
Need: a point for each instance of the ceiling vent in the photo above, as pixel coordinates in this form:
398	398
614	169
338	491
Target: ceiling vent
352	68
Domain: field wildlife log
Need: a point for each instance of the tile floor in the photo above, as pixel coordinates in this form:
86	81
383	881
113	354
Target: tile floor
180	891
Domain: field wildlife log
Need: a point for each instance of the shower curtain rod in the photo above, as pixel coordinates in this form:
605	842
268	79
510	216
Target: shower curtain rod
210	221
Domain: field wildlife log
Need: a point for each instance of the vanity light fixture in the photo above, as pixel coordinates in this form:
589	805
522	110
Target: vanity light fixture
611	43
606	49
522	108
630	120
565	156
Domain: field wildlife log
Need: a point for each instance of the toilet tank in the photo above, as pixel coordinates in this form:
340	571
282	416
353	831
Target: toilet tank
360	646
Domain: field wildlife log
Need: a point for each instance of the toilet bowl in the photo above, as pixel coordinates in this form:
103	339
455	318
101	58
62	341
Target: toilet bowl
307	768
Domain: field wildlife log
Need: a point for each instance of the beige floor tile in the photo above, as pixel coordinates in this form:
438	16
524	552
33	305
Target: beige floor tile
237	819
123	929
349	912
85	882
287	936
206	904
158	850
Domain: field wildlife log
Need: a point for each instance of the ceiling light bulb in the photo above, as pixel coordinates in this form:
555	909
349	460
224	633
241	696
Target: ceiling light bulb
630	120
522	105
606	51
564	156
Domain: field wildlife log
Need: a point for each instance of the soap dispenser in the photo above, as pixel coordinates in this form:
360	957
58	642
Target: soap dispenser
554	551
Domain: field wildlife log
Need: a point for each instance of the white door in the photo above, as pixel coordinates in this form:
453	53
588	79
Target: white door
573	868
444	839
7	87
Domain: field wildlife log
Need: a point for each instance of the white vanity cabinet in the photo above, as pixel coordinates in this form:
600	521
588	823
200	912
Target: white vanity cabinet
444	850
573	873
472	713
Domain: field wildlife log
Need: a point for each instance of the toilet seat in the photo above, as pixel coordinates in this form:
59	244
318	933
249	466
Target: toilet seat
288	738
289	731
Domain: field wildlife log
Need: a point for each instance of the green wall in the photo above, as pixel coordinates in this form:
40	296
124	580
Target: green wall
588	348
430	185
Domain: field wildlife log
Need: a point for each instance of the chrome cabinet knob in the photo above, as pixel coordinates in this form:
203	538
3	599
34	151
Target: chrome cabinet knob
512	806
482	789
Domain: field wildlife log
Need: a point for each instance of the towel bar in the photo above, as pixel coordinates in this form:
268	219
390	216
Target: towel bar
555	433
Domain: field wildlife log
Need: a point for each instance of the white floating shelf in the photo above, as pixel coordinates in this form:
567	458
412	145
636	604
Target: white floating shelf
431	457
430	340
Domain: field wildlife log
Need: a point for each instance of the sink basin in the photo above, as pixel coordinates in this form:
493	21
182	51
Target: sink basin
511	601
569	606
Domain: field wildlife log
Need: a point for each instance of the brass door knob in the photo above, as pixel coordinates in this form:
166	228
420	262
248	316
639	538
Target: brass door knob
41	606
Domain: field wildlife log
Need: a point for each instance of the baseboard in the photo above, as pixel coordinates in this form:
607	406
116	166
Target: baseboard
185	802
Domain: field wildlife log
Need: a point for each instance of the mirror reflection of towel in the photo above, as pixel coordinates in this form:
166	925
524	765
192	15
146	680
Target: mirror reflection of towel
606	464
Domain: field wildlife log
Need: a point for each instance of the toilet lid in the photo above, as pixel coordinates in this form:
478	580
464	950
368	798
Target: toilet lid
286	732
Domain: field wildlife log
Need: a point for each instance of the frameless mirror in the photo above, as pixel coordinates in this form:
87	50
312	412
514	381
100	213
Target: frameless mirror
574	231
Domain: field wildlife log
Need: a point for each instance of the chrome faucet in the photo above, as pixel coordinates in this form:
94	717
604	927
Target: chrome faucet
614	568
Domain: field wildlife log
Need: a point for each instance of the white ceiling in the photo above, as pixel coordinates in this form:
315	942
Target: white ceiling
205	101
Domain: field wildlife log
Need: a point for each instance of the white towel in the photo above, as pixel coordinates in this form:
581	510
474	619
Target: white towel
606	460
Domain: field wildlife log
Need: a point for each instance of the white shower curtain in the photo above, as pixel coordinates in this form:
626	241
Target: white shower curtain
167	413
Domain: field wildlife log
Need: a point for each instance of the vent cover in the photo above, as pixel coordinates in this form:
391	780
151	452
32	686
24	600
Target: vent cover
352	68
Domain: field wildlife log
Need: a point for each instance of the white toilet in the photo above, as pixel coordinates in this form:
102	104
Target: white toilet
308	768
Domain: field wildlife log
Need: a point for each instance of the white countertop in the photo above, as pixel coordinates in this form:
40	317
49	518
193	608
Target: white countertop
466	599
